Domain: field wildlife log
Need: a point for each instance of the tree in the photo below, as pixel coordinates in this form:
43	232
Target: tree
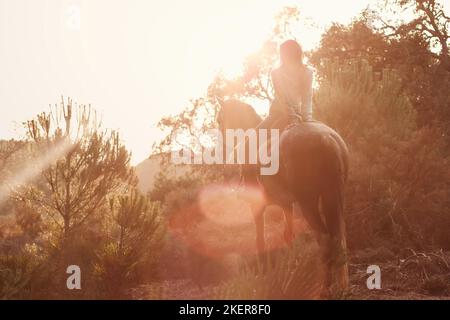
430	22
355	103
425	74
430	25
135	239
9	156
398	183
355	41
7	151
83	165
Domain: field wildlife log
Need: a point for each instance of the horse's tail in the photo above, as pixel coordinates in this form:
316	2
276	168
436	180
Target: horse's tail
332	197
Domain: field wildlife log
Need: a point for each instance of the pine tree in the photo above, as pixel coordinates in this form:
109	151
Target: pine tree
81	165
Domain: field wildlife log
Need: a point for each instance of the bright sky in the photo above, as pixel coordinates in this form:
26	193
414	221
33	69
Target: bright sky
136	60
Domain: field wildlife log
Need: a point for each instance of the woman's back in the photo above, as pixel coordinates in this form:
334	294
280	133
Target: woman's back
293	89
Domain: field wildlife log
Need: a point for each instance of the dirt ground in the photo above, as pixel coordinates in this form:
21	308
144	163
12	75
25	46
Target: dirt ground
419	276
197	253
187	289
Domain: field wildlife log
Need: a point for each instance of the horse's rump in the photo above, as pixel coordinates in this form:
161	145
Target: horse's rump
311	151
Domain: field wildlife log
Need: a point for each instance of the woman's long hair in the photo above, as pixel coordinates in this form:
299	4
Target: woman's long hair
291	53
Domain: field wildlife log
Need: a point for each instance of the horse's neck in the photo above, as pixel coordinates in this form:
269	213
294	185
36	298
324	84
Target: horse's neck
248	120
242	116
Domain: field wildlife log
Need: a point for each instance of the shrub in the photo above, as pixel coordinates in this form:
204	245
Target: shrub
134	243
397	188
291	274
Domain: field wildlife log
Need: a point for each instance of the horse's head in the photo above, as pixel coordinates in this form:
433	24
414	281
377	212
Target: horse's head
235	114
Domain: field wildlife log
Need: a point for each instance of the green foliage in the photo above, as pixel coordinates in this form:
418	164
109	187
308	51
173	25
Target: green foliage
15	275
8	149
63	217
408	46
396	169
29	218
385	91
164	184
86	164
383	85
134	242
355	103
355	41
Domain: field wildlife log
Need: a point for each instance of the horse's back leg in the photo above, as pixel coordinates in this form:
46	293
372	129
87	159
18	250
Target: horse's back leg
332	206
258	216
288	211
251	181
309	205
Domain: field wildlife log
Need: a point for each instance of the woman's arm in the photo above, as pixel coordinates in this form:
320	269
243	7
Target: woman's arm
307	95
276	85
280	94
279	104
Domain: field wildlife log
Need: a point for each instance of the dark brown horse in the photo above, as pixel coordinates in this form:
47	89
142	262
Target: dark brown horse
313	169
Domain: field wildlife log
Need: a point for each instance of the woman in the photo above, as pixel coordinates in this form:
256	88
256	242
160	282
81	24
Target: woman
292	83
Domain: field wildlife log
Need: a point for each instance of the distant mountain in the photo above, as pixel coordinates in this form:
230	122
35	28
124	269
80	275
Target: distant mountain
148	170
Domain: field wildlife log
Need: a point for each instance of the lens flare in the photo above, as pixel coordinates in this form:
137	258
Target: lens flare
219	222
230	206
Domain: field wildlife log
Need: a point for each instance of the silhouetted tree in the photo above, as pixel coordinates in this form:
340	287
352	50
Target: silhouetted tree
408	46
84	165
429	22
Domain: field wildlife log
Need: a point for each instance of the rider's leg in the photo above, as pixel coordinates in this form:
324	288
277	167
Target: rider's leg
268	122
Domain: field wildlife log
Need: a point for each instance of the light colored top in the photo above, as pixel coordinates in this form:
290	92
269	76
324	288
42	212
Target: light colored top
293	87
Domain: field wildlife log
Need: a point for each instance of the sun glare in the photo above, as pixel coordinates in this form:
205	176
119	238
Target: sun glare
222	42
229	206
160	55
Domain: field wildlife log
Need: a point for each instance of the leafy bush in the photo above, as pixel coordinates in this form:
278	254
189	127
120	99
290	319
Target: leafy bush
396	189
134	243
16	272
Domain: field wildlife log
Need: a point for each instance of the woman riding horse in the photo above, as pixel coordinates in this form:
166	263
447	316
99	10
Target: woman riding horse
313	162
292	82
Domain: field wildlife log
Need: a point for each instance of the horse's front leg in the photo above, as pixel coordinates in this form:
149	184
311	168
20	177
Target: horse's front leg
250	179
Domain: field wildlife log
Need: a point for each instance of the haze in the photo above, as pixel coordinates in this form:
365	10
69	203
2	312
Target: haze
134	61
